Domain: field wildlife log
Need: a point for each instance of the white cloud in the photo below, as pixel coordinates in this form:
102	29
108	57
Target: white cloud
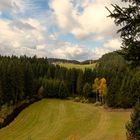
97	52
19	36
93	18
113	44
85	19
71	51
108	46
12	5
27	37
65	15
41	47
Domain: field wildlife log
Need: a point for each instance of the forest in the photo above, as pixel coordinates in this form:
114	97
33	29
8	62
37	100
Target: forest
27	78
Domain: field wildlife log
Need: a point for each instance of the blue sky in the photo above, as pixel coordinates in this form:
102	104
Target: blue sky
71	29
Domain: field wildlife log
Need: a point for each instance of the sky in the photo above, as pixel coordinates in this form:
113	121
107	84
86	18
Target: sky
70	29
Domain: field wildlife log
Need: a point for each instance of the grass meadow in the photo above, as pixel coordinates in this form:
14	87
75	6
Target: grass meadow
78	66
52	119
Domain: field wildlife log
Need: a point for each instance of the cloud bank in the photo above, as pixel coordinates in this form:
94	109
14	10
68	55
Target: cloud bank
72	29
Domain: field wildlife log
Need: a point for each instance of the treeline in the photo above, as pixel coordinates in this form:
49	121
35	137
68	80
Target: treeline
18	78
26	78
123	81
22	78
58	60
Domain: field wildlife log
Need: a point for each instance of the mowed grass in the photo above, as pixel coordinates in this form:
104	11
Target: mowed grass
52	119
78	66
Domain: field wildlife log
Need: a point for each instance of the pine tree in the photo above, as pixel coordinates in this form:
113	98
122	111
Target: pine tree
19	83
10	82
86	89
80	82
73	80
128	18
28	80
63	91
133	127
1	91
48	73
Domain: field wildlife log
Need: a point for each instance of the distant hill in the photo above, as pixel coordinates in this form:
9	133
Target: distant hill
89	62
58	61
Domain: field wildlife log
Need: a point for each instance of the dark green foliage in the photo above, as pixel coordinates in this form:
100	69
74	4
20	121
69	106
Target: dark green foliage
133	127
51	87
123	82
73	80
89	75
21	78
87	90
28	80
80	83
54	88
63	90
128	18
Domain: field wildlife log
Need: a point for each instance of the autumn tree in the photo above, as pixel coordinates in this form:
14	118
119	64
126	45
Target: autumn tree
102	90
95	87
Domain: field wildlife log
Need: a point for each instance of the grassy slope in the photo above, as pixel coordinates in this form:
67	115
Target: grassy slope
78	66
61	120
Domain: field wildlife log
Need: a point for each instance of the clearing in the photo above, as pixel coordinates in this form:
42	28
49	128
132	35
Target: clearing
78	66
52	119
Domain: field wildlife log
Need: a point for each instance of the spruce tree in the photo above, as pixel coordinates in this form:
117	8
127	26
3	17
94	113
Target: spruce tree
10	82
80	82
28	80
128	19
133	127
87	89
63	91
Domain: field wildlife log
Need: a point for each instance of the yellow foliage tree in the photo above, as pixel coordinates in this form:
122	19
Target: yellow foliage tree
95	87
102	90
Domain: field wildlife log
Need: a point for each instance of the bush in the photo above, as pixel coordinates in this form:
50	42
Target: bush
77	99
133	127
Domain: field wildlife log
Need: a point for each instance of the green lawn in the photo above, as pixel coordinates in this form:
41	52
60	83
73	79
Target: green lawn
52	119
78	66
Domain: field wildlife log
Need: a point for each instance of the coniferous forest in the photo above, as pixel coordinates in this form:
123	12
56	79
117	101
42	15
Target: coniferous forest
28	78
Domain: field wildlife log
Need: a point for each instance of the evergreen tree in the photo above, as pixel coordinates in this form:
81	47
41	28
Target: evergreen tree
63	90
87	90
28	80
10	82
73	80
133	127
48	73
128	18
88	75
19	83
80	82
